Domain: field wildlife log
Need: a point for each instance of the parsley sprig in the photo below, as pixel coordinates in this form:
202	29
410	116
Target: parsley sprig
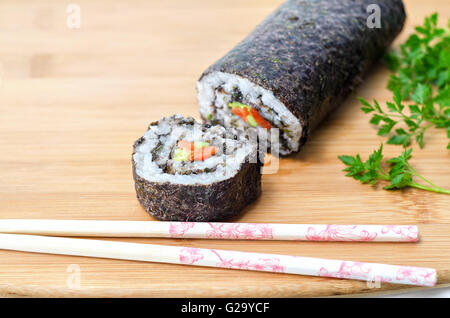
400	175
421	74
423	58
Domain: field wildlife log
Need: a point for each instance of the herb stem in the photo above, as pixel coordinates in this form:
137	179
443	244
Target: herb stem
399	176
426	127
414	173
385	176
432	189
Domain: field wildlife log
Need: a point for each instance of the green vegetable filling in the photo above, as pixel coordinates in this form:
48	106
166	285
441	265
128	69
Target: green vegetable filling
184	151
249	118
180	155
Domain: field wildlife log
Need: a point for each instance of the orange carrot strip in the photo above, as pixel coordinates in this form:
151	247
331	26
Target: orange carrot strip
197	155
208	151
259	119
186	145
241	112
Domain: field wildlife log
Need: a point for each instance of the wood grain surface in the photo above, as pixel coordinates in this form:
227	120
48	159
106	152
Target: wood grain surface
72	102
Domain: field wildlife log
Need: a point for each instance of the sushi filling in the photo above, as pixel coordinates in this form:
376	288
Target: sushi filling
193	150
233	101
249	115
179	150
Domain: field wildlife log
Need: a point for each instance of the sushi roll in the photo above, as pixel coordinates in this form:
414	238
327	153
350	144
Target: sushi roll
185	171
297	66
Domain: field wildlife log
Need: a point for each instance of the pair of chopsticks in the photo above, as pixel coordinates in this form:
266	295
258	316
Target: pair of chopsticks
27	236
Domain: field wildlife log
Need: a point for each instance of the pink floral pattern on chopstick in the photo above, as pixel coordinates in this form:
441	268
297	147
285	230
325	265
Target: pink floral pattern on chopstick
178	229
407	233
340	233
417	276
356	270
363	271
311	232
271	264
370	272
248	231
190	255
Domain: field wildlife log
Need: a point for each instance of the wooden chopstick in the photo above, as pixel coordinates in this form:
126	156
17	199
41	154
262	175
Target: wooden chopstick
208	230
221	258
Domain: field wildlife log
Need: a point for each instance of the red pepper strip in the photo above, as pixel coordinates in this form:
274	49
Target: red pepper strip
241	112
259	119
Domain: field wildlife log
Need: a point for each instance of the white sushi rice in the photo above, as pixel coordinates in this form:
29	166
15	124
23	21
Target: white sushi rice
152	156
214	106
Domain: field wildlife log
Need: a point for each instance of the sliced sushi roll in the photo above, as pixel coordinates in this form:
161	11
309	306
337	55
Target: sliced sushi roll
185	171
297	66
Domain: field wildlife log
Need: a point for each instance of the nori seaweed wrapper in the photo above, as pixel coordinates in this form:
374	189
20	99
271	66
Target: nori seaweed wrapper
311	53
216	201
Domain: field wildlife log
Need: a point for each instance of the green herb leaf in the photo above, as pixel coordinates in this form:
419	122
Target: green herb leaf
421	73
399	140
400	175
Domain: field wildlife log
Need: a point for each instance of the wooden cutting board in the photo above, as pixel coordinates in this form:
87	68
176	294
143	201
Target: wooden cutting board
72	102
